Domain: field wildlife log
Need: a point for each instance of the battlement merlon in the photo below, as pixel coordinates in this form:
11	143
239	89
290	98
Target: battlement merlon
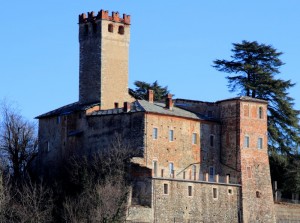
103	14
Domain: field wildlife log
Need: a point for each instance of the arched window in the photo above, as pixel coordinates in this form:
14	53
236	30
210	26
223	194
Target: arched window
121	30
110	28
260	113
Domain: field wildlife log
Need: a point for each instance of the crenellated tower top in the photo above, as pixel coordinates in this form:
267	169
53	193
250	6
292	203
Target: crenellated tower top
103	14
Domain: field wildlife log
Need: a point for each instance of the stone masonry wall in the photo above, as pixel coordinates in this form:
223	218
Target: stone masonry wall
177	205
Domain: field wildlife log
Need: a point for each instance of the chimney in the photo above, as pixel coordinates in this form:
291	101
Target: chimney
116	105
150	95
169	102
126	107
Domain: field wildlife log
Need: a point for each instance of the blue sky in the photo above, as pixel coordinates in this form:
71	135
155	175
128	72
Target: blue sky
173	42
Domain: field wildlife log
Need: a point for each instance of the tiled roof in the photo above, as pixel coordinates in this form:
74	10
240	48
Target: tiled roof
145	106
68	109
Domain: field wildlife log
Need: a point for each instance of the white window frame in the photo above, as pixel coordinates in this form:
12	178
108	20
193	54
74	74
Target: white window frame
171	135
194	138
260	143
247	141
155	133
171	169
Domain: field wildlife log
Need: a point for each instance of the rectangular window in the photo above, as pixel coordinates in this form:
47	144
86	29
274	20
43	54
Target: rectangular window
249	172
171	169
155	168
58	119
166	189
246	142
215	193
211	173
194	172
211	140
230	192
190	191
154	134
171	135
260	143
194	138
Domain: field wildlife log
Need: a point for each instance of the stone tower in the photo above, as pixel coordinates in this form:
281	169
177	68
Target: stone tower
245	152
103	67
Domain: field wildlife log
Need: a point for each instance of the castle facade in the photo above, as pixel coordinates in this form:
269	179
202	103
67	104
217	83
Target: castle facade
199	161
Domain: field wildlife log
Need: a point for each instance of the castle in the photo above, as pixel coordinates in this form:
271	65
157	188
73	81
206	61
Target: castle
199	162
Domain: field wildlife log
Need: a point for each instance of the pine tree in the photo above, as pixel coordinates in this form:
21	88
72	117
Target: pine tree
253	68
143	87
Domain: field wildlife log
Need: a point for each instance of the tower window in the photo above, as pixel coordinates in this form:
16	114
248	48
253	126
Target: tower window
194	172
121	30
154	134
194	138
246	142
260	143
260	113
171	135
110	28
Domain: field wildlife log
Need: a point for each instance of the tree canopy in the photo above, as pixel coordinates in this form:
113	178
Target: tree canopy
142	88
253	68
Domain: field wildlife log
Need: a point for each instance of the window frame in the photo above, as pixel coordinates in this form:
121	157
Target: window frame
194	138
246	141
155	133
260	143
171	135
165	188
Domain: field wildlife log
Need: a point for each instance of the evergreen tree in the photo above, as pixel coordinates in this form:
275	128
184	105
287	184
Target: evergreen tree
143	87
253	68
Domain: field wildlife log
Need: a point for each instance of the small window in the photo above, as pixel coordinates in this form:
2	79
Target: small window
215	193
154	134
211	173
249	174
110	28
183	175
171	169
194	172
154	168
211	140
246	142
194	138
260	113
258	194
121	30
260	143
190	191
166	189
171	135
230	192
